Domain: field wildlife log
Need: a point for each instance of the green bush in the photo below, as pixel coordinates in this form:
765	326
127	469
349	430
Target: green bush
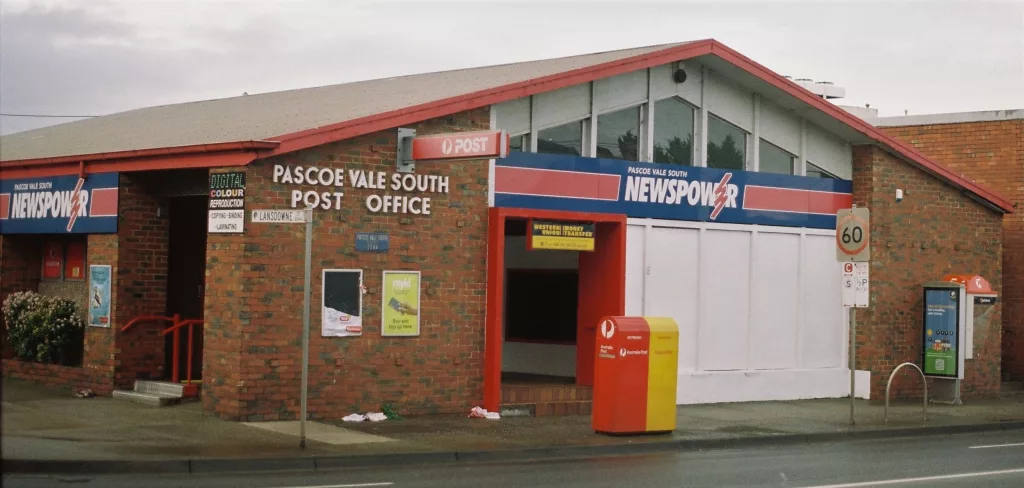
44	329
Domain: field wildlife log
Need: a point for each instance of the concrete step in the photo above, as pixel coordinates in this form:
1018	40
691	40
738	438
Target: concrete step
163	388
151	399
1011	386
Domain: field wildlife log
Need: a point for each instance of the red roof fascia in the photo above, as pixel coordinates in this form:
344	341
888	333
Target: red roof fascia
905	150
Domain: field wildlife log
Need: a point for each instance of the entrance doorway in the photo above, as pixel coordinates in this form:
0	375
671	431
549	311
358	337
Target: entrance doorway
186	278
543	306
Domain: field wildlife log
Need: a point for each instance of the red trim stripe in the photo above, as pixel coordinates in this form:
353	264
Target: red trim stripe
556	183
794	200
5	205
103	202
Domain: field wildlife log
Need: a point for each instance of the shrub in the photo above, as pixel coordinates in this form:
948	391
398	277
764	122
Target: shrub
43	329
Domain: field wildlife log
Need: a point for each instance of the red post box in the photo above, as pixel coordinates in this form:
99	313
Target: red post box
635	375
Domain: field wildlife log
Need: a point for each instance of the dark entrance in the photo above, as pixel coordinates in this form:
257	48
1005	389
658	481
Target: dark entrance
186	277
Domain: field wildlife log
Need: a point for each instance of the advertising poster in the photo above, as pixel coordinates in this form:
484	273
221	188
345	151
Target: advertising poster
53	260
401	307
342	308
99	295
941	310
565	236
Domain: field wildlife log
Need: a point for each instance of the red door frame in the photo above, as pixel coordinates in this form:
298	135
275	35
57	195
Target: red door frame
602	281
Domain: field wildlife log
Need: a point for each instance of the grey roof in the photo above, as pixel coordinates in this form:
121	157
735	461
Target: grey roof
264	116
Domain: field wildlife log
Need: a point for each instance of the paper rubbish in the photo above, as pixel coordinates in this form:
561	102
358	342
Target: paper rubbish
480	413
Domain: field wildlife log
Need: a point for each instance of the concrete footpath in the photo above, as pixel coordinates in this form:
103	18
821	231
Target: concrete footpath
52	431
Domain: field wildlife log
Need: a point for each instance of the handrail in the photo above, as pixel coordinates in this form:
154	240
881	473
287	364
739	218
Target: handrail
147	318
180	324
176	328
924	381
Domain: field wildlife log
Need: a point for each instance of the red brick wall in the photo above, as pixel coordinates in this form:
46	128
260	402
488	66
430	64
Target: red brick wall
20	270
254	293
992	153
934	231
56	375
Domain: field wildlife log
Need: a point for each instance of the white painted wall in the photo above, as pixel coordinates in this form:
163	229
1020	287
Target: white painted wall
536	358
759	308
829	152
779	127
729	102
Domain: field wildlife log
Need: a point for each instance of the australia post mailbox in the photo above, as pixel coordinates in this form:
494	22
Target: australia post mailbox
635	375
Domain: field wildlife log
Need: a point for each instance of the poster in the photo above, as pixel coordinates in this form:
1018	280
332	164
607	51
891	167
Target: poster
342	307
53	260
401	308
941	311
566	236
99	295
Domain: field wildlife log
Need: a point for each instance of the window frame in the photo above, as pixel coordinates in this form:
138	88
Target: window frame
744	145
64	243
641	130
584	135
694	113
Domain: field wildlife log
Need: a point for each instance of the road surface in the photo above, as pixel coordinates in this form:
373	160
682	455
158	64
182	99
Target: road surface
976	460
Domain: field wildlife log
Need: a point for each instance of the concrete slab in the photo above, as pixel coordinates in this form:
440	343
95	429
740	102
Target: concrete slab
316	431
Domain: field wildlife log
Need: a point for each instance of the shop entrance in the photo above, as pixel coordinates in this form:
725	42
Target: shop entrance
543	308
186	276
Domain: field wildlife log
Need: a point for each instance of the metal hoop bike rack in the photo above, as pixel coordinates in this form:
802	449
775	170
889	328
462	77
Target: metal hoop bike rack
924	381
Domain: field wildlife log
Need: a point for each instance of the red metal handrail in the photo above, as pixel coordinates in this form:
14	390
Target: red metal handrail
176	328
148	318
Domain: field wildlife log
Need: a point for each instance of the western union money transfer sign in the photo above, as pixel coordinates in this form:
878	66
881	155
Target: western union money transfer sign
563	236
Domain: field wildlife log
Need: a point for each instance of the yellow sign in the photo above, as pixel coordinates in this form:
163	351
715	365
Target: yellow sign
561	236
401	309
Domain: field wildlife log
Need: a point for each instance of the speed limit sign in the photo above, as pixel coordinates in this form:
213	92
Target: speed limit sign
853	235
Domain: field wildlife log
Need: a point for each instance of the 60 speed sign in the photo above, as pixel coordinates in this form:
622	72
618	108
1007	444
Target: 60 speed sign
853	235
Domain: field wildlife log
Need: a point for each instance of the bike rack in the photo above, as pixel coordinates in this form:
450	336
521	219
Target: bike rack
924	381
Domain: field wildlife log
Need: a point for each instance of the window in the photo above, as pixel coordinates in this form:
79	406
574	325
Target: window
673	132
817	172
727	145
774	159
519	143
618	135
562	139
64	259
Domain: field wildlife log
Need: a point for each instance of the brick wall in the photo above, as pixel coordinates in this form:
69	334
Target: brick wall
20	270
992	153
56	375
934	231
255	282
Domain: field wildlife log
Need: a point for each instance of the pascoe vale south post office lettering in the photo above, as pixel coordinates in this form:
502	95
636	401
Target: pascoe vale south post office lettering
334	178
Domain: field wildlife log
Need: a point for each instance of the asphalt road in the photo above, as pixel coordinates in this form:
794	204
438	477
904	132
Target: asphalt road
976	460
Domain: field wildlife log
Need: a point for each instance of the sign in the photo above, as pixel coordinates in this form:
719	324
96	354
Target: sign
372	242
943	319
74	264
460	145
99	295
53	260
567	236
342	303
227	203
660	191
397	193
856	292
279	216
978	300
853	235
400	314
59	205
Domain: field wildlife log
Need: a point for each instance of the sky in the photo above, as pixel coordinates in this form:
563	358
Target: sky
95	57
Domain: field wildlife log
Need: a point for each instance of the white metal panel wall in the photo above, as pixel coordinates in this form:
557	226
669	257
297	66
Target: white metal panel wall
774	308
635	271
729	102
829	152
561	106
724	299
822	326
779	127
620	91
671	285
663	86
513	115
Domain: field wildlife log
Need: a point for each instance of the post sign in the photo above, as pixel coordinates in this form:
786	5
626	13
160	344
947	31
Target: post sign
400	314
566	236
944	322
856	285
227	203
372	242
853	235
460	145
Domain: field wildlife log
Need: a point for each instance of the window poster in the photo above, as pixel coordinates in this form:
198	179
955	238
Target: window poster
341	314
53	260
99	295
74	265
400	314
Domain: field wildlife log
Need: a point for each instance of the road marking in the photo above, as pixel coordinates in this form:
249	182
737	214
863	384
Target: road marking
918	480
997	445
356	485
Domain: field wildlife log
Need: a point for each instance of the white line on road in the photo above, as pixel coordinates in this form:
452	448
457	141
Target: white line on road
357	485
997	445
926	478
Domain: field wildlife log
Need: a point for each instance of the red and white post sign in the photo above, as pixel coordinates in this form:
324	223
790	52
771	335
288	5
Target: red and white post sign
460	145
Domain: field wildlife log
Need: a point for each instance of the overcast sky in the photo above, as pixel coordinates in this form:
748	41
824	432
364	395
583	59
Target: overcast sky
65	57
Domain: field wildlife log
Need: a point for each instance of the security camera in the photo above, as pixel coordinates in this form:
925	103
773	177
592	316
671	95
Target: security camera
899	195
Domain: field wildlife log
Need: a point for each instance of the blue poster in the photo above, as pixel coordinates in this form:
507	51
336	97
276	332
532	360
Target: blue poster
666	191
941	332
59	205
99	295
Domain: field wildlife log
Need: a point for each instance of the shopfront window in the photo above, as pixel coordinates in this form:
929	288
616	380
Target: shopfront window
64	259
818	172
520	143
618	135
774	159
727	145
562	139
673	132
